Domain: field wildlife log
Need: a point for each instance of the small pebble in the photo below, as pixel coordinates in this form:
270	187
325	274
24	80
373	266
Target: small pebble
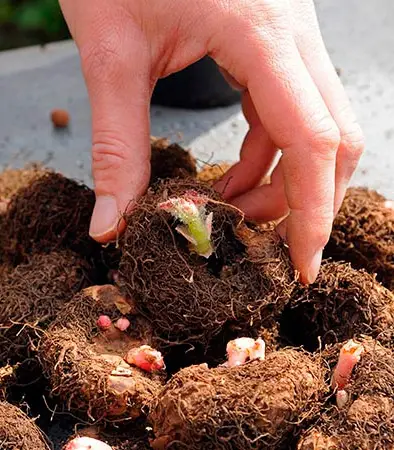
60	118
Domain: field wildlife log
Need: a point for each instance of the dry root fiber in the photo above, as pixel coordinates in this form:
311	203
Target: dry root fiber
170	161
188	298
363	234
367	420
210	173
18	432
46	213
31	296
341	303
258	405
86	366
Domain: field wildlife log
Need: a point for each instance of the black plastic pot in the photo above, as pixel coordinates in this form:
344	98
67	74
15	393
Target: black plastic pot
199	86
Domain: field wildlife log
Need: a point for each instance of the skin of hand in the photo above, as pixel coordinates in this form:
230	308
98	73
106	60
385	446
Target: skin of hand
293	100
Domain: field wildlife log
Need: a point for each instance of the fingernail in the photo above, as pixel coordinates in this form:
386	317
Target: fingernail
105	217
314	267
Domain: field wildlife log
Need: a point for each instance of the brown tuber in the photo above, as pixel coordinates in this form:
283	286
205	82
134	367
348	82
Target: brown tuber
18	432
342	302
363	234
367	420
60	118
31	296
170	161
87	366
50	212
246	281
253	406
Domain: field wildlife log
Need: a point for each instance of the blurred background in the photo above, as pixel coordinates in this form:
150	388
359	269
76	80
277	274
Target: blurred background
30	22
207	118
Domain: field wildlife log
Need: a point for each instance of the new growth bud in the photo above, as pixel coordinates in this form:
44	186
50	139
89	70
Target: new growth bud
86	443
349	356
196	224
104	322
241	350
122	324
145	358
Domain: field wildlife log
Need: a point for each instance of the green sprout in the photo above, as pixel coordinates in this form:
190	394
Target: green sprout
196	224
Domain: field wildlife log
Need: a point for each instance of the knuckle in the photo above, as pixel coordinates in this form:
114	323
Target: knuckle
353	142
325	139
322	234
109	157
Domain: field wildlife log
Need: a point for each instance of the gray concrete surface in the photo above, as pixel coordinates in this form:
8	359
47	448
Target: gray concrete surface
359	36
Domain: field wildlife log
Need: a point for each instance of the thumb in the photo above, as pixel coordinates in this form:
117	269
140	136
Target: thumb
116	71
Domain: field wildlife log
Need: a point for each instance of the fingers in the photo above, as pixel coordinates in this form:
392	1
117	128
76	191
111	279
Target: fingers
115	64
256	157
298	121
314	54
267	202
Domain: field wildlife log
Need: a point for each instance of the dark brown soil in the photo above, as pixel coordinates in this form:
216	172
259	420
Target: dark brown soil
367	421
31	296
341	303
18	432
85	367
188	298
363	234
170	161
255	406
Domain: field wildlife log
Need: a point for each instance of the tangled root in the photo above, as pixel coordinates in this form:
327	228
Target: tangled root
31	296
210	173
254	406
86	366
18	432
341	303
170	161
188	298
363	234
50	212
367	420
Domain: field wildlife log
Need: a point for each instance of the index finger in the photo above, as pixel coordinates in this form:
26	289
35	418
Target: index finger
298	121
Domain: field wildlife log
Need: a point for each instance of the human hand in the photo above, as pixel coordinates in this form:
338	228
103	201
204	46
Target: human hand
293	100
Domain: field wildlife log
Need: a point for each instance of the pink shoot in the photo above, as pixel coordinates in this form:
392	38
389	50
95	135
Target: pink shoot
146	358
349	356
86	443
122	324
104	322
241	350
196	225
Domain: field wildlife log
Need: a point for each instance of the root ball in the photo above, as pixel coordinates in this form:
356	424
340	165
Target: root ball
32	294
188	298
170	161
48	213
363	234
253	406
367	421
86	366
18	432
340	304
